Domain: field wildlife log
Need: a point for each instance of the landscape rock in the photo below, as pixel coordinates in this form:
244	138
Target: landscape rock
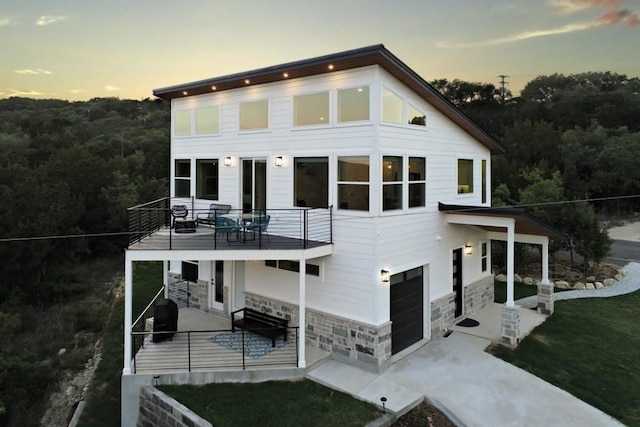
562	284
599	285
579	286
501	278
528	281
517	278
590	285
609	282
591	278
62	351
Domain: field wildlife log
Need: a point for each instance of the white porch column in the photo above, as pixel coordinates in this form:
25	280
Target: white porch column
510	262
302	362
545	261
128	318
165	278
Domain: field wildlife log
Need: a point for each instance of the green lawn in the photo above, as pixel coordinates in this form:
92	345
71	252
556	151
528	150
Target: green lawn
273	403
520	290
103	399
590	348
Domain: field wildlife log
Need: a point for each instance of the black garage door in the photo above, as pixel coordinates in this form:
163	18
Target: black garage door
406	309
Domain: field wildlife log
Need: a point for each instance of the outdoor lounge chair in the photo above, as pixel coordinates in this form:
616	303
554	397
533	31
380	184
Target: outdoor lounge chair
178	211
215	210
226	225
259	225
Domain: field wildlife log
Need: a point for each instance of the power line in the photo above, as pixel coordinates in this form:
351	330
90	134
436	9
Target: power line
474	208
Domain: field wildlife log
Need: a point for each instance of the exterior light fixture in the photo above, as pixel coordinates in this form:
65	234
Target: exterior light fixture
184	92
383	400
278	161
213	88
468	249
285	75
385	276
247	81
330	66
227	161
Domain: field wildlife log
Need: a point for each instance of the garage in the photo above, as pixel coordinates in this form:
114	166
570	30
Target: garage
407	309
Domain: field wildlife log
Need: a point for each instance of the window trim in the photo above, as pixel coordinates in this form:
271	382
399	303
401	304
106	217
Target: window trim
174	120
458	185
402	100
329	121
195	114
197	177
406	103
185	178
367	121
338	183
419	181
484	257
401	183
328	189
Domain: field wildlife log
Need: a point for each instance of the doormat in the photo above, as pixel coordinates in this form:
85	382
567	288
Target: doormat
255	346
468	323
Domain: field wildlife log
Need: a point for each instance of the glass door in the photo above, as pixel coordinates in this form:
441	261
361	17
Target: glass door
217	286
254	184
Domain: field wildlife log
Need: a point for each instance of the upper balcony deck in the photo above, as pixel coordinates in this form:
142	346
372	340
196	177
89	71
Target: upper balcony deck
150	228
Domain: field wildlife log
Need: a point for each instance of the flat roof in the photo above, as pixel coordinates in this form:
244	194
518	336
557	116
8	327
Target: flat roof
356	58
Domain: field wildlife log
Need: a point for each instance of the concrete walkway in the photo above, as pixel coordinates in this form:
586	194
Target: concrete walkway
471	386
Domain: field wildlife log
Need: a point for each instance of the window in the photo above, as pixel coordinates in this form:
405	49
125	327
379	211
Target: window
415	116
392	182
311	182
208	120
254	115
353	104
465	176
284	264
417	182
353	183
207	179
190	271
182	123
484	181
392	106
483	256
182	178
311	109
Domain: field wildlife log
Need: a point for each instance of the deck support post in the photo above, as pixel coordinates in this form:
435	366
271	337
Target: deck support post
302	363
128	317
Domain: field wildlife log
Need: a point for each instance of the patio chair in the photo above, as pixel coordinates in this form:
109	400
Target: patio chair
178	211
215	210
259	225
226	225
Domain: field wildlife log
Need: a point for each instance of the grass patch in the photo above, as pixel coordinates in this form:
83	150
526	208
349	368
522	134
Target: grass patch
520	290
103	399
273	403
590	348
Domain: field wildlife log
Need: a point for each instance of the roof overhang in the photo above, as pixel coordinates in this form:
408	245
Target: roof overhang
356	58
496	219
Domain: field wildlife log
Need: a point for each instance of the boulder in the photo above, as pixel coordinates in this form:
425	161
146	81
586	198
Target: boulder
599	285
501	278
590	285
528	281
609	282
62	351
562	284
517	278
579	286
591	278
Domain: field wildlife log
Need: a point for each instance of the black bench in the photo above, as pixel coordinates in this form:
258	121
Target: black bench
260	323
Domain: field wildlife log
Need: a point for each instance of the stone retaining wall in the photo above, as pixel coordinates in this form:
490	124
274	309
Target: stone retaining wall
366	345
443	314
478	295
159	410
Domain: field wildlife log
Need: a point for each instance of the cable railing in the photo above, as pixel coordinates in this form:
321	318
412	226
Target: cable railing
152	226
201	350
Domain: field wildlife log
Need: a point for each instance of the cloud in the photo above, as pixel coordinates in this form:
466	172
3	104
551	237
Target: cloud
573	6
48	20
76	91
6	21
37	71
621	16
110	88
16	92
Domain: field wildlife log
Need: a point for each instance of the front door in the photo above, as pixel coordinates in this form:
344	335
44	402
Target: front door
254	184
217	286
457	280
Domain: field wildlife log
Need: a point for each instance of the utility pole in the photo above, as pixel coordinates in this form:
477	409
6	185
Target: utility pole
503	89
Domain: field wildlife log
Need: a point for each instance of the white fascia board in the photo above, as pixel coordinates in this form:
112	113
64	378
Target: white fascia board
480	220
222	255
520	238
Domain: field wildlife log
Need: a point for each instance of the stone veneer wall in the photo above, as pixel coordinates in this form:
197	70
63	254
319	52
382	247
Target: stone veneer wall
367	345
159	410
197	292
443	314
478	295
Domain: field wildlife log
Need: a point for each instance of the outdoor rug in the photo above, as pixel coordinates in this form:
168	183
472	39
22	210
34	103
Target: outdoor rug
256	346
468	323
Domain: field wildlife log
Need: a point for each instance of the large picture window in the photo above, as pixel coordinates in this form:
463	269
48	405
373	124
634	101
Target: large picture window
353	183
254	115
353	104
465	176
311	181
182	183
392	182
182	122
207	179
208	120
484	181
415	116
311	109
392	106
417	182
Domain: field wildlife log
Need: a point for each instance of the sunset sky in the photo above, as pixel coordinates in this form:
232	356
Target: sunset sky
80	49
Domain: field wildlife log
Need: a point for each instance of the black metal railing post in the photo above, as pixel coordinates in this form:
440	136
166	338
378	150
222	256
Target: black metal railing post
305	227
297	352
133	347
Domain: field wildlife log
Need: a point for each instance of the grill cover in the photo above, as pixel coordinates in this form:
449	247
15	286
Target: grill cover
165	320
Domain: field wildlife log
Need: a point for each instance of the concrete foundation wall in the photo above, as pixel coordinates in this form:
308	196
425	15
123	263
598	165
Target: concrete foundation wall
357	343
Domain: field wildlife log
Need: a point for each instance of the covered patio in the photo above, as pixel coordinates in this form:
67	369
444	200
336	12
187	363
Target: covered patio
511	225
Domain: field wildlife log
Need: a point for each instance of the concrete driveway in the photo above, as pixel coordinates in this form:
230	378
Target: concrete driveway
473	387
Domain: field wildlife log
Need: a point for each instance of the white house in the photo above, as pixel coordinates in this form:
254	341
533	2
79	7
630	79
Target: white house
378	183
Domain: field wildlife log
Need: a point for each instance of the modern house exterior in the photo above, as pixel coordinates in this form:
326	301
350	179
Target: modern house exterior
378	196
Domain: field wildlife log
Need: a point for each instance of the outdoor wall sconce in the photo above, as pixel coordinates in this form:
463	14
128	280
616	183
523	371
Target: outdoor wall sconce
385	276
278	161
468	249
227	161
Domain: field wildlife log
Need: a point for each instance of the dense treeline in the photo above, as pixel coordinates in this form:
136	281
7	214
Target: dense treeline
570	138
66	168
